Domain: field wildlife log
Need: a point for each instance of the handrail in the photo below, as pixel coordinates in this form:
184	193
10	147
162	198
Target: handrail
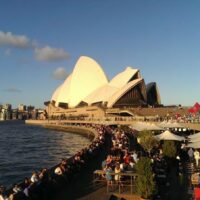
131	175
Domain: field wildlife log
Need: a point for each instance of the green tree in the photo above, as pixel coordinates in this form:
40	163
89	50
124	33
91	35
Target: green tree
145	184
169	149
147	140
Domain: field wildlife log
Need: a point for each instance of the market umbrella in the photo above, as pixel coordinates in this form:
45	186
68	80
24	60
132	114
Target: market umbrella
167	135
141	126
196	135
195	145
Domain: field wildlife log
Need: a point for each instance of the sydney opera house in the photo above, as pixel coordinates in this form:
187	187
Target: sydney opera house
87	91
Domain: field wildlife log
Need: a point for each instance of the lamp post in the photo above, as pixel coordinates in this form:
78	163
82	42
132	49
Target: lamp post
48	113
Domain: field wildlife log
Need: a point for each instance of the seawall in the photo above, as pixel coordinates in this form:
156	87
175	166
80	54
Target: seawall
85	131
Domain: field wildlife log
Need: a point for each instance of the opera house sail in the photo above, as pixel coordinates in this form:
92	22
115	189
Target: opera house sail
88	85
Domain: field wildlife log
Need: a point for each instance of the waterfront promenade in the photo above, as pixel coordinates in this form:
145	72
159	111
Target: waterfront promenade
81	185
107	121
83	188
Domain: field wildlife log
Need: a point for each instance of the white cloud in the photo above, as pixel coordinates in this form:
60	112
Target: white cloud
48	53
60	74
17	41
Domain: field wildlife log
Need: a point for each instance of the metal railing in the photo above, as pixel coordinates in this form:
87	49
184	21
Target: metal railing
126	181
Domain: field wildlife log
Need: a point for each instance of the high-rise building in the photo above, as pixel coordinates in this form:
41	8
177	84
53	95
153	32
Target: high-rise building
21	107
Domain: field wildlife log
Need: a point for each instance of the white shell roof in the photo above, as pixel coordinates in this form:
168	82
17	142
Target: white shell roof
101	94
123	78
122	91
107	91
158	95
64	92
89	83
86	77
56	93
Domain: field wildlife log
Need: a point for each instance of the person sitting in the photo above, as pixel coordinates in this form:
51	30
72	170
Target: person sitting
131	165
63	165
108	171
3	195
135	156
17	193
26	186
117	171
103	164
126	158
108	160
34	178
16	188
58	170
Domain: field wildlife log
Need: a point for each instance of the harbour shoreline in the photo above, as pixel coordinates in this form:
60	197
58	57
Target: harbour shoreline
88	132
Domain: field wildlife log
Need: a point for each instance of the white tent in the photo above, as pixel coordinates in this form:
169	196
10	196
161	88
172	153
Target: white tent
163	124
141	126
195	145
167	135
194	139
170	124
154	127
196	135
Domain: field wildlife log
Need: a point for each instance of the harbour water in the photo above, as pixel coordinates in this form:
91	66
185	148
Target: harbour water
24	148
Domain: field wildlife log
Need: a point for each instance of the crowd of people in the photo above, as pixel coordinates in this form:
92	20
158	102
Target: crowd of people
124	155
41	185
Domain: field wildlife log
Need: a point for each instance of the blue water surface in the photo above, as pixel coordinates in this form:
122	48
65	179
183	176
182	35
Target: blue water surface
24	148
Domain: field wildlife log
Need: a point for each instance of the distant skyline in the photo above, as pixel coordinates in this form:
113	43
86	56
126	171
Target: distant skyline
40	42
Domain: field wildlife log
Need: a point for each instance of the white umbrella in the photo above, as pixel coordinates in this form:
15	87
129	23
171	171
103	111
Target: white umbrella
167	135
177	125
195	145
141	126
154	127
170	124
195	139
196	135
163	124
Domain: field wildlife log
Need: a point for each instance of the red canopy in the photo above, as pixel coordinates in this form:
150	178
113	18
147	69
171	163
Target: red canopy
194	109
197	105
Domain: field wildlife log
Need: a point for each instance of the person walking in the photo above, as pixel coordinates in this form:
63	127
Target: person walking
190	154
196	157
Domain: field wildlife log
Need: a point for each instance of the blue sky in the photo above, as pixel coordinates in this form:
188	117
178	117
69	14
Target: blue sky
41	37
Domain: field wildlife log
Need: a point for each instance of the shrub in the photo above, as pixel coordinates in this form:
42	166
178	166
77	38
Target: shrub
145	185
147	140
169	149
